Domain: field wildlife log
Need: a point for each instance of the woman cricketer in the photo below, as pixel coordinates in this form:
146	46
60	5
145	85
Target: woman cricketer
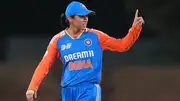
80	50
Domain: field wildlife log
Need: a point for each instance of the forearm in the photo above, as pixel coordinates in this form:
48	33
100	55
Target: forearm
122	45
119	45
40	72
50	56
130	38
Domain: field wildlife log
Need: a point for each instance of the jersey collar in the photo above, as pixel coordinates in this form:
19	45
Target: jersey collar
72	37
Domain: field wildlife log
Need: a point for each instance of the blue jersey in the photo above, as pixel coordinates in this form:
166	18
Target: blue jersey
81	56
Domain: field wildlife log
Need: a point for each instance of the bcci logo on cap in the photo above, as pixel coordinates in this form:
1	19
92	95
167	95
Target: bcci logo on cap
88	42
83	6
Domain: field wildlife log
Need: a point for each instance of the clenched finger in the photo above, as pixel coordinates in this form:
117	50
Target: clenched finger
141	20
138	18
29	97
35	94
138	23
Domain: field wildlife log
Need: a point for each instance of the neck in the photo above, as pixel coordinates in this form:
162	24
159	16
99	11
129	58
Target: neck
74	31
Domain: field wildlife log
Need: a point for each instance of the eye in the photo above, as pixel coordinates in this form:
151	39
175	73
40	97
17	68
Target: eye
83	16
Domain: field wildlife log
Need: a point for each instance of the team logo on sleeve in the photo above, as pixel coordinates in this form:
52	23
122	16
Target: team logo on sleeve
88	42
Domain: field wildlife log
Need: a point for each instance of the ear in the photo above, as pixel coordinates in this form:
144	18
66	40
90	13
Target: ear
69	19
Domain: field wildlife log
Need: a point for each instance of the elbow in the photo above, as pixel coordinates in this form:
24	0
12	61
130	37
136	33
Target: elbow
125	46
123	49
120	49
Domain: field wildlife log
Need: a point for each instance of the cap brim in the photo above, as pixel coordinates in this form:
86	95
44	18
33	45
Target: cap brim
86	12
91	13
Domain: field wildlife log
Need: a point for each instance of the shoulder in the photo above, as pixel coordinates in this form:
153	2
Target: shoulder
57	36
99	33
96	31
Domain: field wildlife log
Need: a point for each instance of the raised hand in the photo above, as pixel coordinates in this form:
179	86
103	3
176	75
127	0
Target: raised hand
138	21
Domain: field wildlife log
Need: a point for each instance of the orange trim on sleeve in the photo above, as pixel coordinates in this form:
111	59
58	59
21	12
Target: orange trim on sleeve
120	45
47	61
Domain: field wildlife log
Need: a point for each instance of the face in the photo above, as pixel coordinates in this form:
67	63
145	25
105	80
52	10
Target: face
79	22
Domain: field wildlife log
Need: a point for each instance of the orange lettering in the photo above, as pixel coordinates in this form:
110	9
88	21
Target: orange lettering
80	64
88	64
69	66
72	65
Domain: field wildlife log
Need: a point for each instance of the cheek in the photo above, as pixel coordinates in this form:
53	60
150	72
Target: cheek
77	22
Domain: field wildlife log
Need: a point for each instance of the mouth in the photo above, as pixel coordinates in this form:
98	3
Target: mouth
84	25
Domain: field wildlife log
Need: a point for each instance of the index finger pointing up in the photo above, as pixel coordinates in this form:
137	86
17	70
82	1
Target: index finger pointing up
136	15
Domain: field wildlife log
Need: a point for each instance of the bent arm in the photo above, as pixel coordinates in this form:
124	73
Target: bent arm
43	67
119	45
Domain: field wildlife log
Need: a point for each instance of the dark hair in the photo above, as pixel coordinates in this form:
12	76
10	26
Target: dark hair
64	21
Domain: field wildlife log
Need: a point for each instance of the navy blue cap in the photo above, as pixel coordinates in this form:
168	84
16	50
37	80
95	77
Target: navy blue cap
77	8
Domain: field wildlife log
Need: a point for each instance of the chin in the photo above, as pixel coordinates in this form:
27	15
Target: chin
83	28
